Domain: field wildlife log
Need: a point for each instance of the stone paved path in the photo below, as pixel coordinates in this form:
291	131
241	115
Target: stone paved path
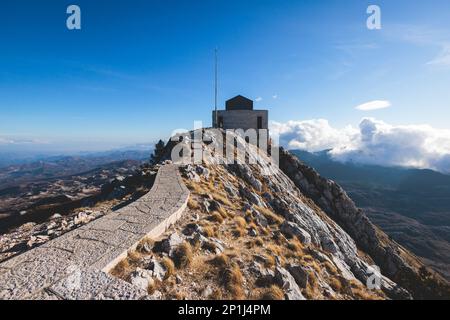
75	265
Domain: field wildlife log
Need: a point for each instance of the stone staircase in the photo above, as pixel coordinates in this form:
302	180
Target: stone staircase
76	265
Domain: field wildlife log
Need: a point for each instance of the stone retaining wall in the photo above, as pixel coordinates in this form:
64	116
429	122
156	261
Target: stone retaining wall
75	265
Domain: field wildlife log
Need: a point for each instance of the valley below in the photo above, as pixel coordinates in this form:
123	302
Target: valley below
412	206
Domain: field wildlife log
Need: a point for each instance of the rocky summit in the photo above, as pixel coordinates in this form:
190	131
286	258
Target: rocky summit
217	230
289	234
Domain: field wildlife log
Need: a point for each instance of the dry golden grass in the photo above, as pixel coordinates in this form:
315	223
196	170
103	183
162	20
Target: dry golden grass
312	279
169	265
269	261
224	213
208	231
151	287
233	280
216	295
273	293
315	266
193	204
330	267
220	260
146	242
174	294
251	225
238	232
240	222
195	188
259	242
221	198
271	217
182	255
248	215
134	257
296	247
363	294
216	217
309	293
122	269
274	249
335	284
264	231
210	246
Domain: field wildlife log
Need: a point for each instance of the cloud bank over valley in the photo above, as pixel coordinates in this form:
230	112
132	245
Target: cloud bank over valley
372	142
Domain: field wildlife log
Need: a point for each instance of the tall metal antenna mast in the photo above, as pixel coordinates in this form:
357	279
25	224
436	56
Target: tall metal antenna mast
216	124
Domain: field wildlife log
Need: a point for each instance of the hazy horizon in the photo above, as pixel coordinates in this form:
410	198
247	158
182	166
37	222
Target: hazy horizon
137	70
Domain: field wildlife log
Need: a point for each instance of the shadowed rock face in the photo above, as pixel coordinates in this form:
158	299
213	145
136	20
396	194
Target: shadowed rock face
395	261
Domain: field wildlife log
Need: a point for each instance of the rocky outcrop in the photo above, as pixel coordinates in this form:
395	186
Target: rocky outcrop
395	261
317	211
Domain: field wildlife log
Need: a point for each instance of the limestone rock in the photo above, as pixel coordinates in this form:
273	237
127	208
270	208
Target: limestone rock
260	219
202	171
299	273
157	295
291	229
287	282
141	278
157	269
251	196
170	243
230	189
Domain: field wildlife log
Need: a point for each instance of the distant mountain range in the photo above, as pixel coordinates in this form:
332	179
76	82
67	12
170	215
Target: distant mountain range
412	206
60	182
136	152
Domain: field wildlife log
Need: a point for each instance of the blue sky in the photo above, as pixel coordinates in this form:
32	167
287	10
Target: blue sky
139	69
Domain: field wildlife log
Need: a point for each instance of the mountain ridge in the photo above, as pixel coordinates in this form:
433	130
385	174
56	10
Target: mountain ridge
410	205
237	202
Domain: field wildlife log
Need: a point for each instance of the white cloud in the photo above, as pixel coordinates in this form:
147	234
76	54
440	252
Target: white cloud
373	142
258	99
275	96
374	105
312	135
12	141
443	59
5	141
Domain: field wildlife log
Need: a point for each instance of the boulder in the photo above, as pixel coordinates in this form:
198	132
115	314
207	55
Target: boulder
260	219
207	292
251	196
230	189
192	228
287	282
157	270
198	239
300	274
252	232
170	243
214	245
290	229
191	173
202	171
211	205
141	278
246	172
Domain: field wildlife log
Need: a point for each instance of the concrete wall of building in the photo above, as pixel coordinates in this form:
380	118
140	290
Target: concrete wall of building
243	119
